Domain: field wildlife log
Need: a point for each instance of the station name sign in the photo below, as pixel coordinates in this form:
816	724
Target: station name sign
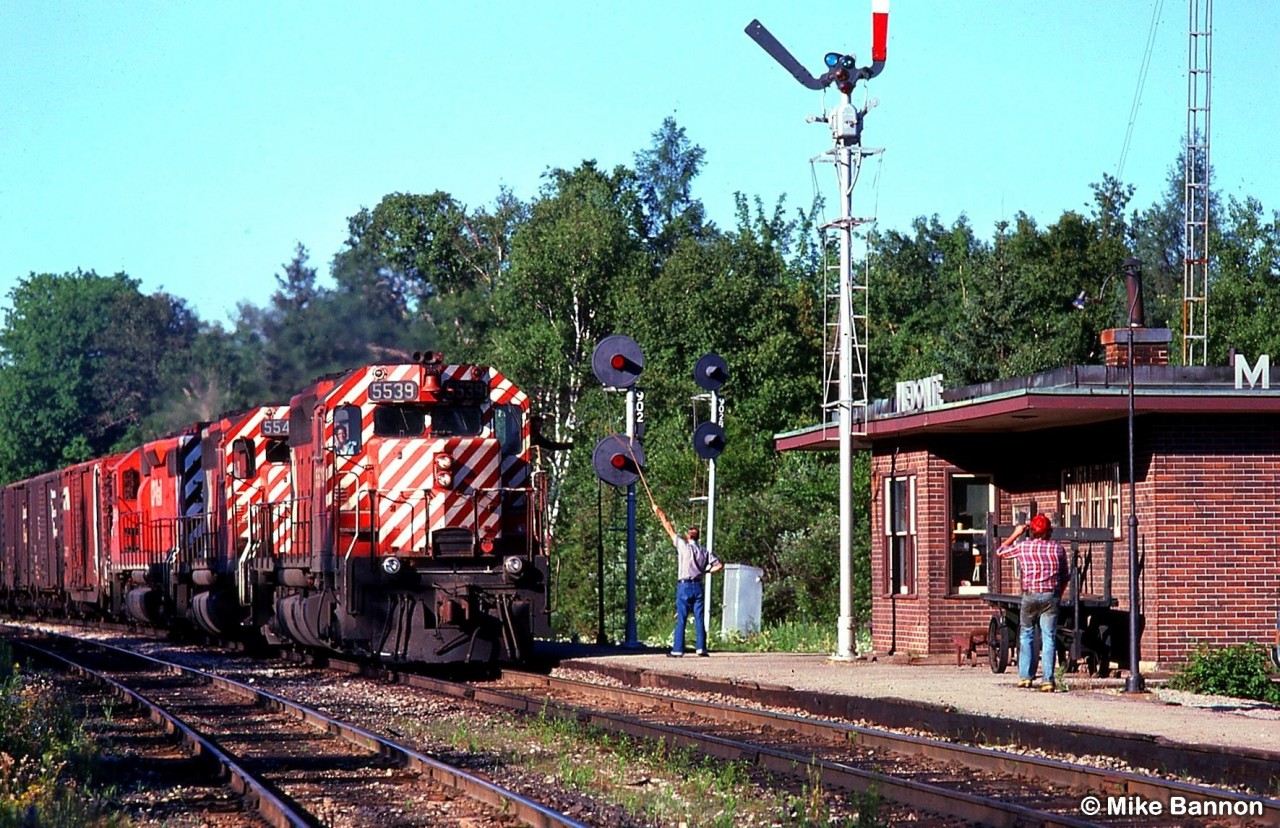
1257	374
921	394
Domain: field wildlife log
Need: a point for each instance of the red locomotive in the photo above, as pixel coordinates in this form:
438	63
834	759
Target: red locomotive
391	511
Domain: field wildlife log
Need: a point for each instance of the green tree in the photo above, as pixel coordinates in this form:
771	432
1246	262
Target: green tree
1245	293
82	359
429	259
665	173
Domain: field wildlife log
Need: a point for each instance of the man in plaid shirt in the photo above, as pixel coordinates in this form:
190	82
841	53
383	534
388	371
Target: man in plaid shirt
1042	564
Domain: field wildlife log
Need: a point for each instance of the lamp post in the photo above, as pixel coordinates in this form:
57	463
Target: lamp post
1134	683
1134	319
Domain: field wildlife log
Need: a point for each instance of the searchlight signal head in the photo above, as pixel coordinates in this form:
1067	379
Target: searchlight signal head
843	71
618	460
617	361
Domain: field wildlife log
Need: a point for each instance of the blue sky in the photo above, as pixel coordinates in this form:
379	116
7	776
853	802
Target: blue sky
193	145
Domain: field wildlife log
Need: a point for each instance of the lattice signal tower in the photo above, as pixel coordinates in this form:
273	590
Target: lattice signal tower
1195	263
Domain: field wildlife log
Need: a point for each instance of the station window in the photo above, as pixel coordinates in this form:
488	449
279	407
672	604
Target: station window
900	534
972	498
1091	493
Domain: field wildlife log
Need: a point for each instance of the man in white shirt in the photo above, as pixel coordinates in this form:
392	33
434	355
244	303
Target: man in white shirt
693	561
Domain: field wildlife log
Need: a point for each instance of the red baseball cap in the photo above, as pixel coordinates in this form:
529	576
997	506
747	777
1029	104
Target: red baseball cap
1039	524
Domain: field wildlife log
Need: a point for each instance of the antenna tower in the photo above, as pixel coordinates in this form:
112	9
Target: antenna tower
1195	263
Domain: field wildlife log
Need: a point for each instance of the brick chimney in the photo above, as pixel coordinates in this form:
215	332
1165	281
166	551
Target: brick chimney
1150	346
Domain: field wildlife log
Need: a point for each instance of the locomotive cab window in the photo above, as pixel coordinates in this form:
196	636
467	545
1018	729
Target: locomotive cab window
412	420
507	428
277	450
242	465
130	482
347	431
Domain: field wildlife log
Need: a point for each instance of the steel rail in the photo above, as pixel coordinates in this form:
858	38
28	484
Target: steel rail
526	810
916	795
256	794
1101	782
1087	778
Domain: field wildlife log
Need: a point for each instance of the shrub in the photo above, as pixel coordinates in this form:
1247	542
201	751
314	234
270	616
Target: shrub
1242	671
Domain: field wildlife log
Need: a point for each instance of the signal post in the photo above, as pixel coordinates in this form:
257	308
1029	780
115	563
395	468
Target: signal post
845	121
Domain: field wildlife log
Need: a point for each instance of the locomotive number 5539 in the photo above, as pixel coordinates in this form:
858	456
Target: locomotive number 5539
406	391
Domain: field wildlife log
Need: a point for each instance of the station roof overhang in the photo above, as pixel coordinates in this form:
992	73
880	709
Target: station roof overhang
1064	398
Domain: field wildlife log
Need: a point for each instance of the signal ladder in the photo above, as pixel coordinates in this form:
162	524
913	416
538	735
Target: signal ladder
833	272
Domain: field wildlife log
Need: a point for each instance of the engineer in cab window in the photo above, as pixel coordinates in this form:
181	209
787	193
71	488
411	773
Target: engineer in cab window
344	443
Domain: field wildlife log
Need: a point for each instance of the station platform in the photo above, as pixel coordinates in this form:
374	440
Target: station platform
917	689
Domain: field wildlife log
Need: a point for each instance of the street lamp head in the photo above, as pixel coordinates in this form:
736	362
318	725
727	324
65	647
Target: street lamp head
1132	270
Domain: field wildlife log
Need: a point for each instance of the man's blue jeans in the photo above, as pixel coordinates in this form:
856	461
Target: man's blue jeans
689	597
1038	608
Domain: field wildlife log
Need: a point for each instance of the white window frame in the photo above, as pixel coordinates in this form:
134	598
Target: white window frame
1093	491
908	586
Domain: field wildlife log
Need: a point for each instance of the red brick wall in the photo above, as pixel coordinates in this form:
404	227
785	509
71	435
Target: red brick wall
1212	530
900	623
925	621
1208	505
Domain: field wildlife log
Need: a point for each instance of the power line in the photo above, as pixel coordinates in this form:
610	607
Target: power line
1142	82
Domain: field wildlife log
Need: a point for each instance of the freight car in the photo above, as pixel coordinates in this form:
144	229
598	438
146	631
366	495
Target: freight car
392	511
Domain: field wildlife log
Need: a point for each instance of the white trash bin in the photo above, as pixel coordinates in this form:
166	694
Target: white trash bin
743	586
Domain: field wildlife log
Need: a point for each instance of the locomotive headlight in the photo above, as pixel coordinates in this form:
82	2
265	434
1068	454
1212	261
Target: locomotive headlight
391	566
513	565
444	477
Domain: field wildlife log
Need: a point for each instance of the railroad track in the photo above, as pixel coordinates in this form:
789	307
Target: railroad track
290	764
958	783
974	784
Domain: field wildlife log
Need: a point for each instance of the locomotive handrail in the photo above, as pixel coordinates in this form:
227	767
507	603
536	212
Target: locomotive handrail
358	492
242	572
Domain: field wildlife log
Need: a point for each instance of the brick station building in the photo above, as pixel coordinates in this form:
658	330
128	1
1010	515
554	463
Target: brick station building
1207	471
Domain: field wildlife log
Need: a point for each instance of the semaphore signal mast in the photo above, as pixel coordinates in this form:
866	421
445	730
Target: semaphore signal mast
850	408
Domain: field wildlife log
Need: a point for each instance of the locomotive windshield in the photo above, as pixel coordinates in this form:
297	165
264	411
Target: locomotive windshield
412	420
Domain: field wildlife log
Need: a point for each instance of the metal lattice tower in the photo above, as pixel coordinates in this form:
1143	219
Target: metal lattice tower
842	283
1195	263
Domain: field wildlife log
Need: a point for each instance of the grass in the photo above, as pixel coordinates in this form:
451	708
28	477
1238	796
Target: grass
44	751
785	637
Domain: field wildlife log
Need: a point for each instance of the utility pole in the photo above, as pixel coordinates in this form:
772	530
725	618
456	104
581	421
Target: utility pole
846	127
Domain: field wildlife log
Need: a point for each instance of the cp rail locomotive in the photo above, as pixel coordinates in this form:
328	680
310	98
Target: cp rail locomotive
391	511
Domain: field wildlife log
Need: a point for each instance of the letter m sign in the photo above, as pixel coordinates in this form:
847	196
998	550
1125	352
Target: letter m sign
1258	374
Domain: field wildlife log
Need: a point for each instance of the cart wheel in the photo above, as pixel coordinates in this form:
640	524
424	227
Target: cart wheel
1104	651
998	644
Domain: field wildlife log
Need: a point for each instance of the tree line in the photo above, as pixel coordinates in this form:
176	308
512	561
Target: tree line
89	364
